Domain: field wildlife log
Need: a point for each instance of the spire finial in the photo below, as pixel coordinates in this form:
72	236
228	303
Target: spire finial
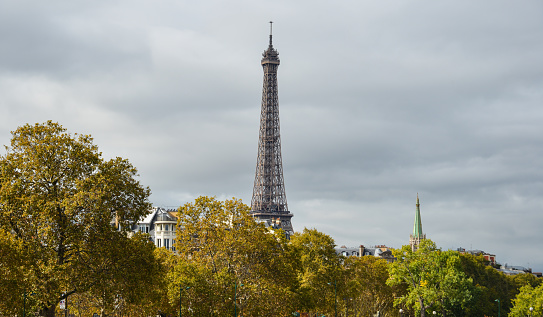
271	24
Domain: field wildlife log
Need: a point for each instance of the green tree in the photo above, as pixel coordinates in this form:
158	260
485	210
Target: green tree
528	296
64	205
321	275
230	262
433	277
490	285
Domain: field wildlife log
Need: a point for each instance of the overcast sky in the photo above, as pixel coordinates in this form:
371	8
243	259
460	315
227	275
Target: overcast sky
379	101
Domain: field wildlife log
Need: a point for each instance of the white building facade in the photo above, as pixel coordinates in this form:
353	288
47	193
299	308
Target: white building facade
161	225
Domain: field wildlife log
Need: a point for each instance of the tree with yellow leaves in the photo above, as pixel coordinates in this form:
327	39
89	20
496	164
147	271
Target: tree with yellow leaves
62	209
231	264
366	286
321	275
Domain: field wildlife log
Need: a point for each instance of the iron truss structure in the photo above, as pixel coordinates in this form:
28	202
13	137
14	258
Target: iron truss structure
269	202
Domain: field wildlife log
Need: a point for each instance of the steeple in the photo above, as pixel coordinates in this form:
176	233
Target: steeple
417	236
269	202
417	228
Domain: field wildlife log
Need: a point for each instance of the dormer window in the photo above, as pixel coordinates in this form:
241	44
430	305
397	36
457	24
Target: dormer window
144	228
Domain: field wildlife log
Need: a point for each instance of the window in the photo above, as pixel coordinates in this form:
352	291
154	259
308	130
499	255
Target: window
158	243
167	228
173	244
167	243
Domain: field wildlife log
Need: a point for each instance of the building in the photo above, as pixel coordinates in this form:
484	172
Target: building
491	258
505	269
161	225
417	236
514	270
269	202
379	251
345	251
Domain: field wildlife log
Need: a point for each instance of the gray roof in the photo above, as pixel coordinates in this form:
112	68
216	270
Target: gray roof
149	218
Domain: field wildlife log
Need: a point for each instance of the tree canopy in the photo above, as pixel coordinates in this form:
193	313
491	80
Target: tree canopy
66	216
231	263
529	301
365	283
320	271
433	278
64	212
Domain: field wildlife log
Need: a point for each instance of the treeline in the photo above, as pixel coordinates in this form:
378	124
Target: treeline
65	219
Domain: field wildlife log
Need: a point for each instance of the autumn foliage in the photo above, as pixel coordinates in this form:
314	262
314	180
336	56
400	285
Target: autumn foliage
66	216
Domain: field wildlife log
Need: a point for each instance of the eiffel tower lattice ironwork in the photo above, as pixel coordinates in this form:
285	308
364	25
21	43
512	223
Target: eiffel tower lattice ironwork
269	202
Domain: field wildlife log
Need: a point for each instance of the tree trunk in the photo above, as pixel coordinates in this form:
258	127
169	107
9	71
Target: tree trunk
422	308
48	311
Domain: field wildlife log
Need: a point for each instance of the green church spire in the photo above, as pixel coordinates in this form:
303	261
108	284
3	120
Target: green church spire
417	228
417	236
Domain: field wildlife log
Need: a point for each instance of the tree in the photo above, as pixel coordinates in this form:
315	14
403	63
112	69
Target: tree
130	272
230	262
64	206
321	277
434	278
528	296
12	276
157	301
366	278
490	285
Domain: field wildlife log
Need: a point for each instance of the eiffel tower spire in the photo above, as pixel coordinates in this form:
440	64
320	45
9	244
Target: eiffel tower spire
269	202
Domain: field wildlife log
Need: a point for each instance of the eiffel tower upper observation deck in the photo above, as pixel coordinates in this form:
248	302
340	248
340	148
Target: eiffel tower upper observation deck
269	202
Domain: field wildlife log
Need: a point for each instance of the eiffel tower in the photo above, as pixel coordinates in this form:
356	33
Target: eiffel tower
269	202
